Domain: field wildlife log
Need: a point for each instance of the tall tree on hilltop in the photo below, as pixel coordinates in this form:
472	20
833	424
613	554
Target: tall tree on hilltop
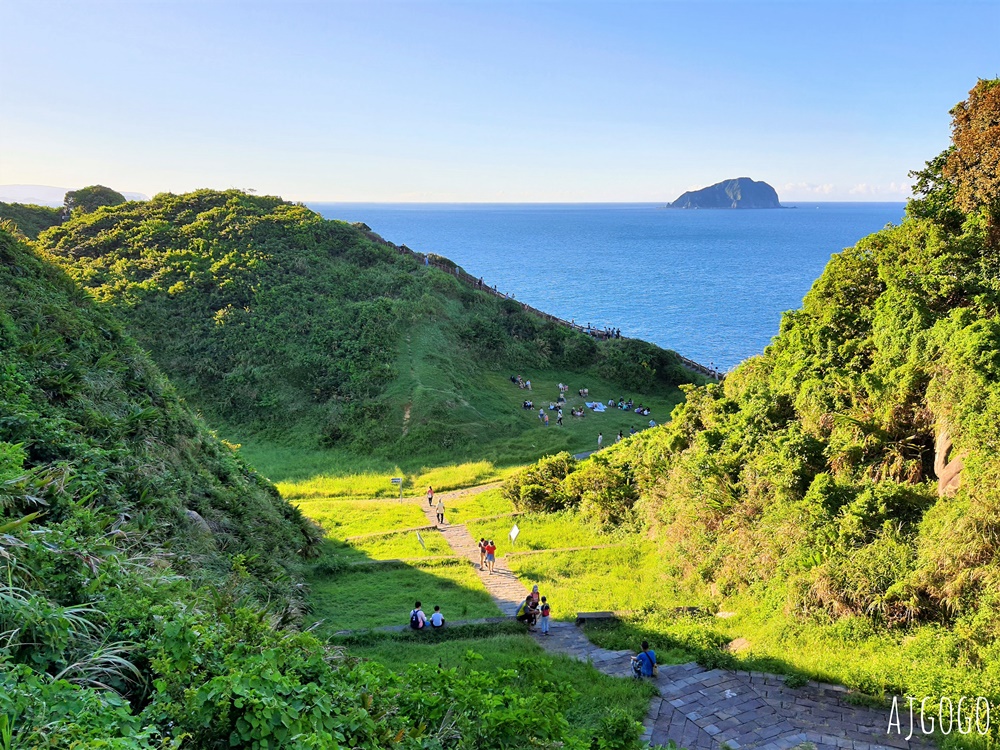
91	198
974	163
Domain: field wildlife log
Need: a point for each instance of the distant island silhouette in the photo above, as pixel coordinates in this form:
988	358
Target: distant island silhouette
741	192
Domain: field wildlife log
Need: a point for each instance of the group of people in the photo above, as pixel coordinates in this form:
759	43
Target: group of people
534	610
520	382
439	508
487	555
629	406
419	621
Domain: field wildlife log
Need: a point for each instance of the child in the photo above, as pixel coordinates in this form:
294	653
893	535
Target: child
545	616
437	619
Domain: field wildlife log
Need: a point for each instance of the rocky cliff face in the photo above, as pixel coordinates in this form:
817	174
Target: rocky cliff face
741	192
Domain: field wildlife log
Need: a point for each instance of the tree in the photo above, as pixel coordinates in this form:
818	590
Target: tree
974	163
91	198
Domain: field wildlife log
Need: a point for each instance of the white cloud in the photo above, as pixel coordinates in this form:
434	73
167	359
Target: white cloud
892	190
807	188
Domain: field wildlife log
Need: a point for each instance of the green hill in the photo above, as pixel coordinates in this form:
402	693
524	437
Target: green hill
275	322
149	580
841	489
29	219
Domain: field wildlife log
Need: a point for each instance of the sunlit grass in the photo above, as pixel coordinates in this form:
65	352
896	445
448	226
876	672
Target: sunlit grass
372	596
539	531
456	476
406	545
479	505
631	577
344	518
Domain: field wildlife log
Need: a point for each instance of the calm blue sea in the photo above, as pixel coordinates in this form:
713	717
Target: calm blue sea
709	284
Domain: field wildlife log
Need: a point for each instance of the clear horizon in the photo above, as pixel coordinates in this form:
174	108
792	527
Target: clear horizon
463	102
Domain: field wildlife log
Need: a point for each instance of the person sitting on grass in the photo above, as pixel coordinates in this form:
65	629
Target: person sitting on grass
418	620
437	619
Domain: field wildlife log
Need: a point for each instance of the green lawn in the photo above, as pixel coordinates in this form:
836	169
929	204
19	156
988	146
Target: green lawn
539	531
597	695
371	596
480	505
620	578
402	545
343	518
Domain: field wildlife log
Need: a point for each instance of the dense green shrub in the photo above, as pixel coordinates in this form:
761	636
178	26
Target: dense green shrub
272	320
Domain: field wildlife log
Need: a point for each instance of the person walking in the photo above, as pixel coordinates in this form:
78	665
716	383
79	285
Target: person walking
430	496
482	553
440	510
620	437
541	414
491	555
545	612
545	421
600	440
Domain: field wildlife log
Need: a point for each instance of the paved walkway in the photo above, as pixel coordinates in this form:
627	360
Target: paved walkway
702	709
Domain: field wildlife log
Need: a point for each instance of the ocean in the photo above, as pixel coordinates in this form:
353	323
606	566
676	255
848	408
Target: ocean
711	285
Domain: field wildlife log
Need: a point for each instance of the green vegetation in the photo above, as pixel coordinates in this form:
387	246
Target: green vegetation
343	518
89	199
369	596
287	329
148	577
841	489
30	220
597	700
478	505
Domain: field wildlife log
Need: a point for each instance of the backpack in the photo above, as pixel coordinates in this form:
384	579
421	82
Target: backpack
414	620
545	609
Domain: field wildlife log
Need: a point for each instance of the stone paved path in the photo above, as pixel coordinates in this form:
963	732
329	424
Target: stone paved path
702	709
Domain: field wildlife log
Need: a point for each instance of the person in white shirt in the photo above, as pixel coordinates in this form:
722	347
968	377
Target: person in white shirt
437	619
418	620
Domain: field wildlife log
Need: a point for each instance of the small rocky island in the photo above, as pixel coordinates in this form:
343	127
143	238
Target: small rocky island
741	192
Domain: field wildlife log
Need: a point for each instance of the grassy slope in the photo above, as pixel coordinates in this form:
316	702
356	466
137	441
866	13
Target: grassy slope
30	220
288	329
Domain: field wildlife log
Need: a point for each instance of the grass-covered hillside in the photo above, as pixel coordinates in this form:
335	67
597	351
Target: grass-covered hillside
149	580
841	491
30	220
277	323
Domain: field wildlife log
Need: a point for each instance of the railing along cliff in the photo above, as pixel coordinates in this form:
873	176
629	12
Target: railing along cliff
443	264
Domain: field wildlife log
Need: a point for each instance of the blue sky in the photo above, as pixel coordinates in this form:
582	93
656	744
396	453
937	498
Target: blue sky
484	101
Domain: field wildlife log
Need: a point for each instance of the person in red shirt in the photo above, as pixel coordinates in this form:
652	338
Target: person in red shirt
491	555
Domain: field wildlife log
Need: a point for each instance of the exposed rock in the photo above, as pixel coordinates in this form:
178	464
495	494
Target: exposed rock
200	523
947	468
737	645
741	192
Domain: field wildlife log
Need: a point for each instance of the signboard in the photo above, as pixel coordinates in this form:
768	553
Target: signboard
396	480
421	540
514	531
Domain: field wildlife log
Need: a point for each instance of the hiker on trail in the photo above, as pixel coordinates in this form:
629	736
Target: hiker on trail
491	555
600	440
430	496
437	619
644	663
526	613
545	611
440	510
482	553
418	620
534	595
